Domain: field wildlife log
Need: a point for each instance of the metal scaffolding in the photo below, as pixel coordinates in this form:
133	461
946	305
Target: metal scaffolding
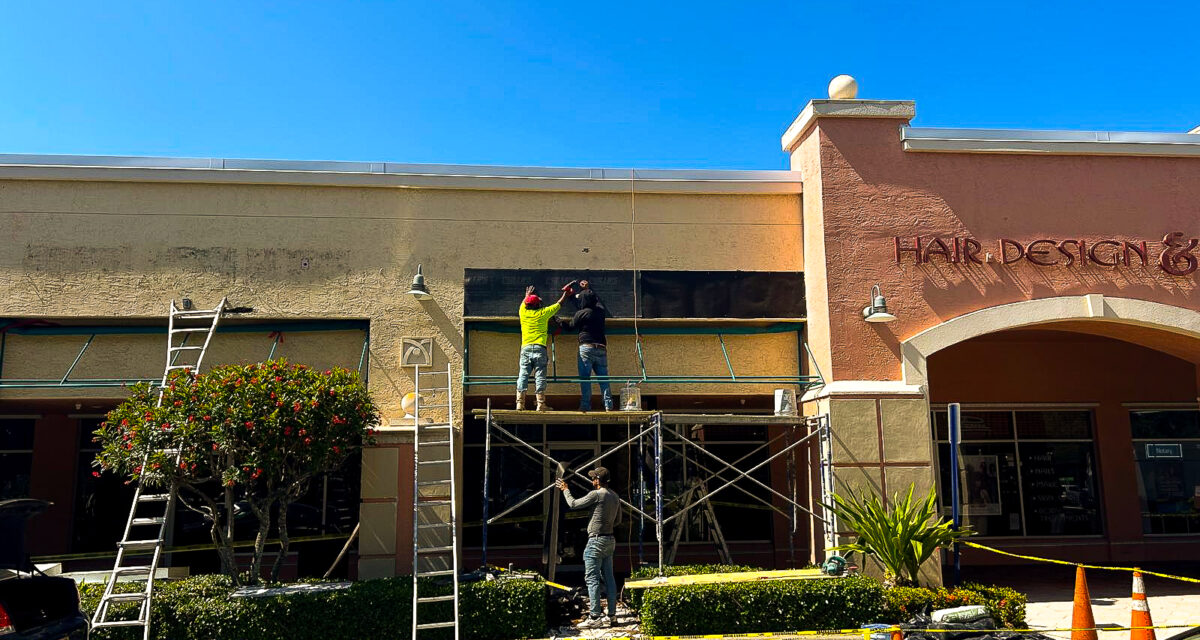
651	427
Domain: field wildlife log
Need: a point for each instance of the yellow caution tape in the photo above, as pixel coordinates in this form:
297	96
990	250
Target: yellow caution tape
866	633
739	576
557	586
1076	564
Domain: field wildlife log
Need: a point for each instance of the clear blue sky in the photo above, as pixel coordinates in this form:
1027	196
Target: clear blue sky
599	84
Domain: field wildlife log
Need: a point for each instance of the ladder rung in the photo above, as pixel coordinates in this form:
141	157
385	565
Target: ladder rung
431	483
446	461
191	329
434	442
181	366
119	623
433	502
131	571
169	452
440	372
439	572
154	497
435	525
146	521
126	597
435	598
437	625
134	545
435	549
438	425
432	406
195	313
424	389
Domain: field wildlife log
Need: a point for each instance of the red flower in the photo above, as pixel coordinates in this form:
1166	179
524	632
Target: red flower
179	403
215	447
328	372
296	407
208	417
308	441
137	469
183	465
287	431
337	449
272	394
124	423
278	379
304	432
249	424
95	474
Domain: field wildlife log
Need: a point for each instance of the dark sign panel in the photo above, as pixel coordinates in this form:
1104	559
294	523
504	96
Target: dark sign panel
661	294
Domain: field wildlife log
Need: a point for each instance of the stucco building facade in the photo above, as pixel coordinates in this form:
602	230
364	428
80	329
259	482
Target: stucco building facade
1032	276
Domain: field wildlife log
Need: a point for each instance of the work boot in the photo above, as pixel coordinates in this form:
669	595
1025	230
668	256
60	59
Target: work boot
541	403
520	401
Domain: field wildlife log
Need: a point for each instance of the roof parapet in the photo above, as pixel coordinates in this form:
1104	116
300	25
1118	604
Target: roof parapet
898	109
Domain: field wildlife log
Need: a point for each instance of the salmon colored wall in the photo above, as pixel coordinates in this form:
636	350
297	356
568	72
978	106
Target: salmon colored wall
54	459
1028	366
872	190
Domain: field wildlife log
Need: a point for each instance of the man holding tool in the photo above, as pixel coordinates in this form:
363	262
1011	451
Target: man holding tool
598	554
593	347
535	329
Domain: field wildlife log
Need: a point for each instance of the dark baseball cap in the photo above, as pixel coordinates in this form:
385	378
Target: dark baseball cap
599	473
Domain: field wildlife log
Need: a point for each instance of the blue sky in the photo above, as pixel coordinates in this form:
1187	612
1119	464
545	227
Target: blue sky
614	84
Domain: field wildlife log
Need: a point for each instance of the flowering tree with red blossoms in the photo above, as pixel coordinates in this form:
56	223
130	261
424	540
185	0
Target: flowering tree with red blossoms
256	433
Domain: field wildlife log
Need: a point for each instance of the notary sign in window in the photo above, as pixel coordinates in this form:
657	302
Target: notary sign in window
1166	446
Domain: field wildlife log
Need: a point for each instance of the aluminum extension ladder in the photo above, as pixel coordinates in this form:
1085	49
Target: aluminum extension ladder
435	507
151	512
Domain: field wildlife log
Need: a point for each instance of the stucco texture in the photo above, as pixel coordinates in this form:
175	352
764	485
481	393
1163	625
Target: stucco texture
113	250
872	191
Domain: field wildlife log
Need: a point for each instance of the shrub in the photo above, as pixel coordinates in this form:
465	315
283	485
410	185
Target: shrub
1006	606
901	535
199	608
783	605
645	573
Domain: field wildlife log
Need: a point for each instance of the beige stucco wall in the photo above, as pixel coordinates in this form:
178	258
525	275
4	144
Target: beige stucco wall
113	250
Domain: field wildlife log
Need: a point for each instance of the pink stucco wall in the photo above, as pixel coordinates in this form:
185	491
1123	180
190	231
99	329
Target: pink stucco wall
872	190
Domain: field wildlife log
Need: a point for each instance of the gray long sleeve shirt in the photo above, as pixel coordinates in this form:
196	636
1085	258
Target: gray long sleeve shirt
606	510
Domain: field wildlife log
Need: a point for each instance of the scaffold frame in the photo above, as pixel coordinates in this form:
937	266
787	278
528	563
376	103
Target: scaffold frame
654	425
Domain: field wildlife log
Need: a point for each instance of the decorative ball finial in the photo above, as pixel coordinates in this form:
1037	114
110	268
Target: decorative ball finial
843	87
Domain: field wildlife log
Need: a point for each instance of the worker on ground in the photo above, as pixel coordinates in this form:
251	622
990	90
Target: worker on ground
601	544
535	329
593	347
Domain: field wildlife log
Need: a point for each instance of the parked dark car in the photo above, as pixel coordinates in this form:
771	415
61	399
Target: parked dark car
33	606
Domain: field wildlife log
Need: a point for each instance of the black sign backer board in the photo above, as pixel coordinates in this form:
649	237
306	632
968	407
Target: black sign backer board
663	294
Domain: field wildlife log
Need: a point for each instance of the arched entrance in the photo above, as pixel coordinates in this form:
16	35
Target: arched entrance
1081	425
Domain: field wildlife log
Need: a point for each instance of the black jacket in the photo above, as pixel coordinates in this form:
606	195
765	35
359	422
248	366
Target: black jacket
589	320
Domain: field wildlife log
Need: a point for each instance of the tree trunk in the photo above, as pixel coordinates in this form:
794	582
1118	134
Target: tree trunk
283	541
225	551
260	543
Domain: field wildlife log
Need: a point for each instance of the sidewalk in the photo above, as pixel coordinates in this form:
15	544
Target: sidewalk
1051	589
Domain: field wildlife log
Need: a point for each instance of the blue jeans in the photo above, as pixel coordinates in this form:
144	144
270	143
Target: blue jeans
533	358
598	561
593	359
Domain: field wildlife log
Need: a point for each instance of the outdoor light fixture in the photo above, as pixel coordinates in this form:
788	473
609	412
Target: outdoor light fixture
419	290
877	310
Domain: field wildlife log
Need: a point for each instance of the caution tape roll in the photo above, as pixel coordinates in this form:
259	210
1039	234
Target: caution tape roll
1077	564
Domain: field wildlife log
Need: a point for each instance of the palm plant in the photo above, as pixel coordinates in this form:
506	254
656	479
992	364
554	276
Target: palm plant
901	535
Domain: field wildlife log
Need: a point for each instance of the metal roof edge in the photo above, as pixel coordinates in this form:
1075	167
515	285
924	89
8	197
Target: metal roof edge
384	174
1025	141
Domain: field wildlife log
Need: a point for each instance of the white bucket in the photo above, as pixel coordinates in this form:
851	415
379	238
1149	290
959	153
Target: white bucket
631	398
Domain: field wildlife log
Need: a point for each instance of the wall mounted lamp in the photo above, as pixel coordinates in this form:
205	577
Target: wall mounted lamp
419	290
877	311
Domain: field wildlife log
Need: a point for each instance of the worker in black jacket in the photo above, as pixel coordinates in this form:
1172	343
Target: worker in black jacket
593	346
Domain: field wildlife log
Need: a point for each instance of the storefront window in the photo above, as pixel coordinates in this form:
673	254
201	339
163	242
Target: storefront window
16	457
101	504
1166	448
1023	473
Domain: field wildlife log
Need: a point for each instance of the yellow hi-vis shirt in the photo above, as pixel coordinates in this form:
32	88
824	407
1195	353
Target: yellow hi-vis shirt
535	323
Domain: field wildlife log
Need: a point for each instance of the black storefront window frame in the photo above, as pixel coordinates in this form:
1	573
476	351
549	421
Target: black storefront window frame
8	450
1139	444
1015	440
542	436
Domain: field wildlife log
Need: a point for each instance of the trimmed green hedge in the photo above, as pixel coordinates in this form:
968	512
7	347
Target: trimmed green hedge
777	605
645	573
200	608
1005	605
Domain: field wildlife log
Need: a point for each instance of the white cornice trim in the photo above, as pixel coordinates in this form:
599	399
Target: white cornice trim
388	174
900	109
863	388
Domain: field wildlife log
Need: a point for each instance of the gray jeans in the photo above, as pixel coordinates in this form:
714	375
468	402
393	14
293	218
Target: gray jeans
533	359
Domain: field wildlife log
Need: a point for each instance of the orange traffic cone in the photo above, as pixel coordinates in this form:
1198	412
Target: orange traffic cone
1083	625
1141	611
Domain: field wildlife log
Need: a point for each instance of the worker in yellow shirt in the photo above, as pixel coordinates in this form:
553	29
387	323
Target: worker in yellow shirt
535	330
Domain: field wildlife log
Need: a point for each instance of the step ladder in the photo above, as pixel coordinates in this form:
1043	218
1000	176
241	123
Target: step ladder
435	507
150	516
698	491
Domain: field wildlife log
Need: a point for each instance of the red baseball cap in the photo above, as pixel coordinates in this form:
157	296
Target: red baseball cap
532	300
